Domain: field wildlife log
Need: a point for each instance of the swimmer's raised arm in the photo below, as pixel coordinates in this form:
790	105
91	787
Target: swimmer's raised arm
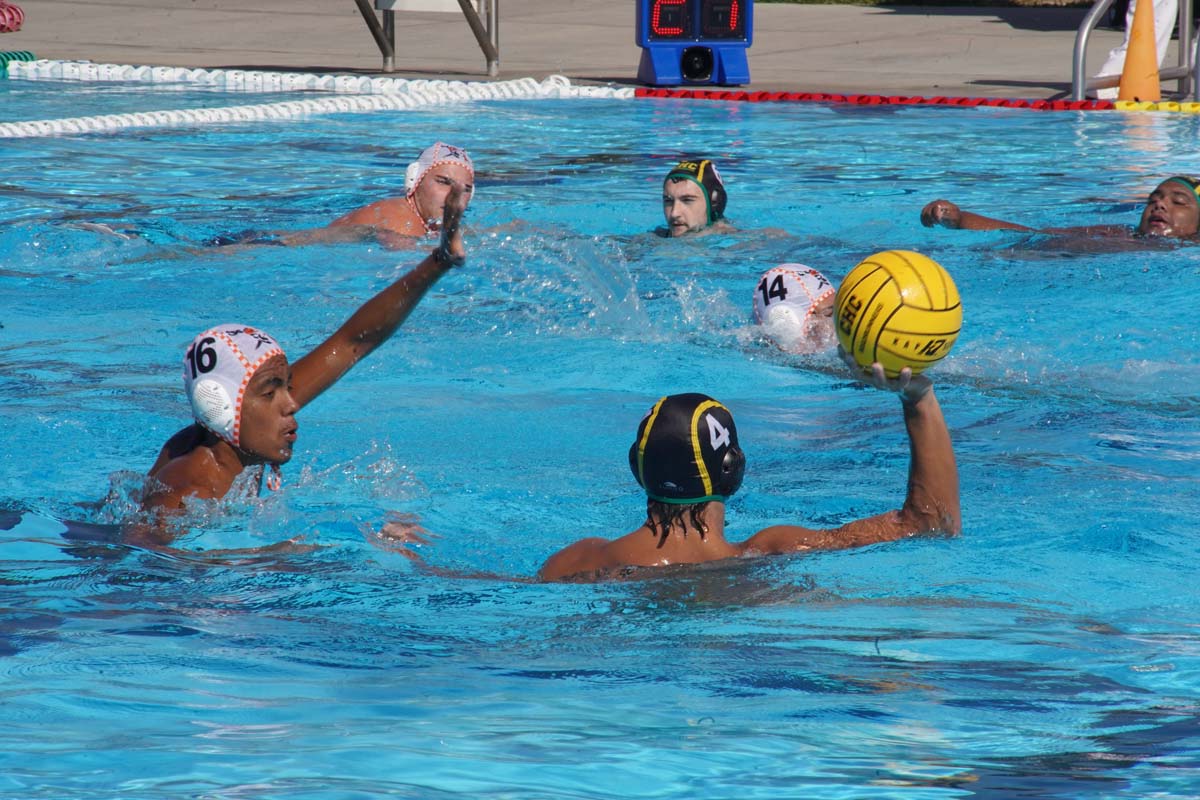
380	316
245	395
931	504
949	215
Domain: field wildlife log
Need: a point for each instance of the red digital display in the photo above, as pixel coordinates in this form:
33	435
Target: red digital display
721	19
694	41
671	19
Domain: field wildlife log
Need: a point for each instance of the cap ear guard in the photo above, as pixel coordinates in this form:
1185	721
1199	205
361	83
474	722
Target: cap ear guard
716	191
733	469
717	200
410	177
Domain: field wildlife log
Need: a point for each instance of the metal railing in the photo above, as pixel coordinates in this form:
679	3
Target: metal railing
487	30
1187	72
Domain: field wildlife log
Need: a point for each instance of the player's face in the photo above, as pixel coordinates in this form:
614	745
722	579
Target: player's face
269	427
430	196
1171	210
684	207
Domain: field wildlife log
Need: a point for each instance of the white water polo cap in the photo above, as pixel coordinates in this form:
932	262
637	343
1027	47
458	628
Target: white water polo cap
217	368
786	299
435	155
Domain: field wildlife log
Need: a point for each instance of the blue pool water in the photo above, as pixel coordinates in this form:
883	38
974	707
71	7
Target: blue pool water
1050	652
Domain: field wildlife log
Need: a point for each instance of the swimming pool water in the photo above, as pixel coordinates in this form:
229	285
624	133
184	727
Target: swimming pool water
1051	651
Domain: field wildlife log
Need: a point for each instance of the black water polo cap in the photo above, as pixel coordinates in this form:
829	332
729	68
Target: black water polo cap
686	451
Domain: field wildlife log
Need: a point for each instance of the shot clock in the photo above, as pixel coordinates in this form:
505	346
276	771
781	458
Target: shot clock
694	41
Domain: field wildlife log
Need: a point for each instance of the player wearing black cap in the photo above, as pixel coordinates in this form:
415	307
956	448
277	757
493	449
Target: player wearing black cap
687	458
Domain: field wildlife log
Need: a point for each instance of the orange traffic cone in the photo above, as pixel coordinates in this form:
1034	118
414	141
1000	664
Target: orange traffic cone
1139	76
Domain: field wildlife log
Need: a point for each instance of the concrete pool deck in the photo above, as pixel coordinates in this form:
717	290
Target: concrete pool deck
995	51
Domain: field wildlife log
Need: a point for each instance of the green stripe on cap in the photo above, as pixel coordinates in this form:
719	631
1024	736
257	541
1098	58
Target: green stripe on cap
685	501
1191	183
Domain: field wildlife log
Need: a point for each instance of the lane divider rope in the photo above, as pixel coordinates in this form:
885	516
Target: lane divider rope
352	94
359	94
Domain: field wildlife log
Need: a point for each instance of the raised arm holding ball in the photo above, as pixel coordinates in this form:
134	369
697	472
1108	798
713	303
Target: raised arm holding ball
931	503
896	314
687	459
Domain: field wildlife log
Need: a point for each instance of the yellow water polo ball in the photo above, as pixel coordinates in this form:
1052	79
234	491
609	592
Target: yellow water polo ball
899	308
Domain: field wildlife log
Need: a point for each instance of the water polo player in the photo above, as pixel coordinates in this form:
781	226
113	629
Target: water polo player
1172	211
395	221
793	305
693	198
687	458
244	396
